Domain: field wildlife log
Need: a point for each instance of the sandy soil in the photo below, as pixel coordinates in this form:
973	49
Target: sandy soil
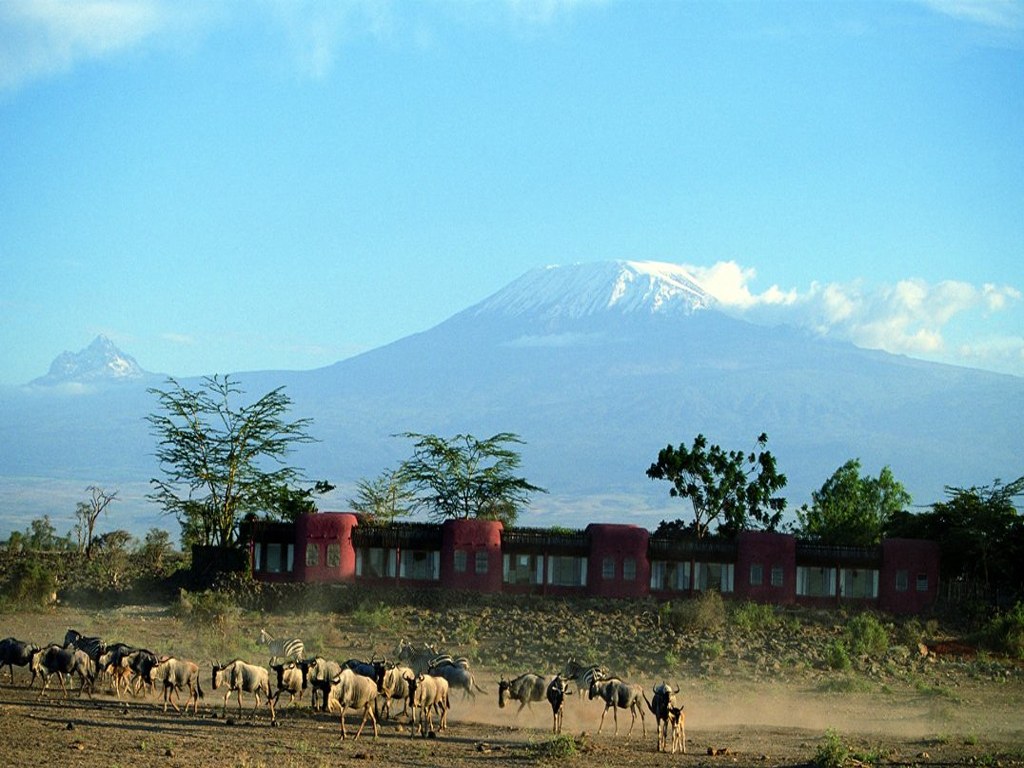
731	721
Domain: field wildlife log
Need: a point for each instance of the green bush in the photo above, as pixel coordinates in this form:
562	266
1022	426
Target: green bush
557	748
866	636
208	605
832	752
837	656
1005	632
705	612
30	583
754	616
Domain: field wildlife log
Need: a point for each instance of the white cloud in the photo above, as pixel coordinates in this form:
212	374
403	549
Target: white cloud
912	316
39	38
997	14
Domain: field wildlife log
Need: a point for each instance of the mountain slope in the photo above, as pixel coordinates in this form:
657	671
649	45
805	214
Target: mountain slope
596	367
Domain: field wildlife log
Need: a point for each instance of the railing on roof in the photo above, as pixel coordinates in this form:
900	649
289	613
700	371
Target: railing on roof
545	541
403	535
675	548
813	553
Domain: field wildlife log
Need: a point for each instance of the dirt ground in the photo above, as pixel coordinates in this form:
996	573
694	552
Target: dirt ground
731	721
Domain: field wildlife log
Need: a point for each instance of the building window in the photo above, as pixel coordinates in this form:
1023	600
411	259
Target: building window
670	576
922	582
714	577
756	575
483	562
334	555
258	557
629	569
778	576
902	581
375	562
566	571
523	569
608	568
858	583
420	565
280	558
815	582
460	561
312	554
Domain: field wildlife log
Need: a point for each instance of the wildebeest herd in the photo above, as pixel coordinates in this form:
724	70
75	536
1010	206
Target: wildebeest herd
420	680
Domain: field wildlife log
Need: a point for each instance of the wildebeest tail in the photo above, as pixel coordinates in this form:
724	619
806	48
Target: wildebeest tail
199	689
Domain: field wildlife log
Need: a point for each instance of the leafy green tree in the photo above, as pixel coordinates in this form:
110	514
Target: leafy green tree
463	477
735	488
292	503
153	551
980	534
384	498
221	460
852	509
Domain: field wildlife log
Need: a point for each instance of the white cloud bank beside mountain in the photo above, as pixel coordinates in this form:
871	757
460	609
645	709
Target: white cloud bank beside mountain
949	321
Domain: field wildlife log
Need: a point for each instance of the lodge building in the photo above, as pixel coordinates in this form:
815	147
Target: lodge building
601	560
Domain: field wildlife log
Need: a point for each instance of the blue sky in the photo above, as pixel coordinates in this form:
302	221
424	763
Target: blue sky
222	187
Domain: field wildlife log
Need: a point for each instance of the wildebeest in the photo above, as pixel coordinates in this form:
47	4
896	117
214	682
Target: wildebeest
55	660
238	676
428	693
142	663
660	704
619	695
350	690
393	687
292	649
292	678
373	669
458	677
677	722
526	689
320	676
174	674
14	652
556	692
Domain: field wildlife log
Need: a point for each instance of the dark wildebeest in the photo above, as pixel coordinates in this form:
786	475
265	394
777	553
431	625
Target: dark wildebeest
556	692
55	660
619	695
13	653
660	704
525	689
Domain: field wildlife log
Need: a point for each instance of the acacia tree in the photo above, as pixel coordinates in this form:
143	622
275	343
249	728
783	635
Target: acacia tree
86	514
850	509
384	498
221	461
732	487
463	477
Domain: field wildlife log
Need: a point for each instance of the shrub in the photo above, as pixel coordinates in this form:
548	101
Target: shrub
705	612
208	605
832	752
560	747
867	636
837	656
754	616
1005	632
30	584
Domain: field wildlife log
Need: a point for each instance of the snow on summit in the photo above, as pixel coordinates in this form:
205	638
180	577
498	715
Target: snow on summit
581	290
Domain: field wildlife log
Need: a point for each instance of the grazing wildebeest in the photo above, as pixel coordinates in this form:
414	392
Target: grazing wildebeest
357	692
238	676
13	653
55	660
619	695
428	694
556	692
320	676
660	703
458	677
526	689
174	674
292	679
291	649
395	686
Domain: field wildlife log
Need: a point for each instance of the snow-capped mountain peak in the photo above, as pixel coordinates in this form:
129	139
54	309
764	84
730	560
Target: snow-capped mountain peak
582	290
100	361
